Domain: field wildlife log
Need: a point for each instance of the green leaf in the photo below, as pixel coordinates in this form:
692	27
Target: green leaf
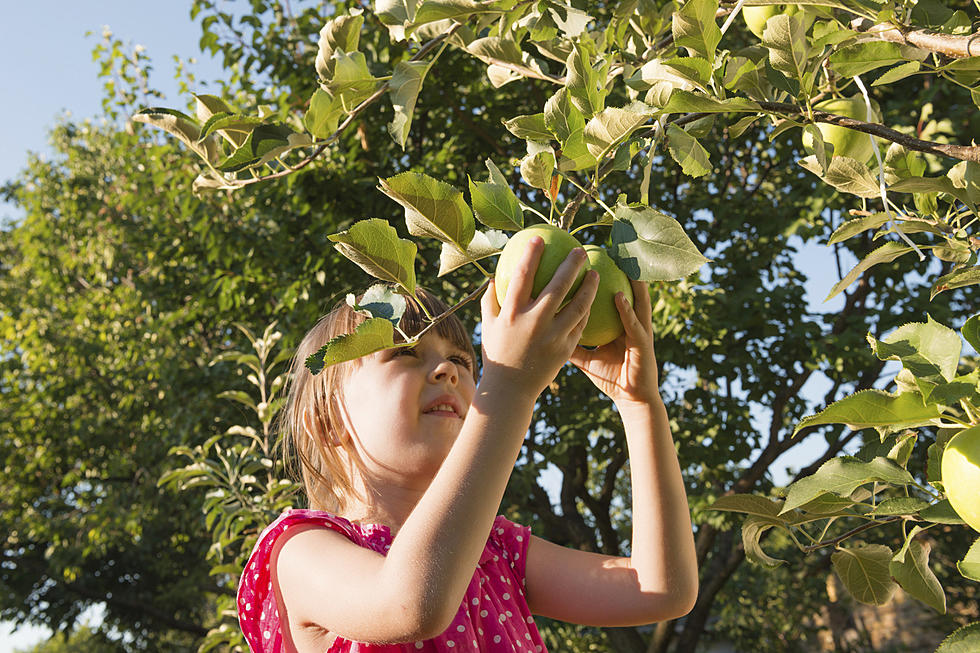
957	279
884	254
649	245
433	10
538	166
403	89
496	206
494	49
841	476
575	20
375	247
234	127
180	125
374	334
845	174
864	572
857	225
531	128
562	119
969	566
789	50
433	208
751	504
611	125
396	15
752	530
340	33
916	578
941	512
688	152
263	141
380	300
861	57
483	245
586	78
352	82
694	28
323	116
962	640
875	408
900	506
682	101
209	105
971	332
898	73
930	351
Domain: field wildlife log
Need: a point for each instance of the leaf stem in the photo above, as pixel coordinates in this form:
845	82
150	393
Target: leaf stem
851	533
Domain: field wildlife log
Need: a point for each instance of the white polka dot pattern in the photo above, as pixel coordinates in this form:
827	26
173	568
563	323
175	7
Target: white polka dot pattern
492	610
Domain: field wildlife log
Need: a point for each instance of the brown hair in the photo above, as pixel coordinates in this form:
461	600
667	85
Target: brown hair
327	478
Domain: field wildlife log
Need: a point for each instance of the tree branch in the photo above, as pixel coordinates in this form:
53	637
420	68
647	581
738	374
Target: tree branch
950	45
962	152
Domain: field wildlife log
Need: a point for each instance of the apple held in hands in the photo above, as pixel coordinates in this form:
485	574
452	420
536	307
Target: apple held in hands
961	475
557	245
604	324
847	142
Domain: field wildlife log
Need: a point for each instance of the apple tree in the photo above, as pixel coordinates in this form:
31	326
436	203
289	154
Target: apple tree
635	104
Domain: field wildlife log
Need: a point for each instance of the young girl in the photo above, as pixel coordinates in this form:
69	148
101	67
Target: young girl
405	458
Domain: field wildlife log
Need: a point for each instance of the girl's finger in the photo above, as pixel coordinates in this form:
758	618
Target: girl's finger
562	281
641	305
488	303
581	303
522	280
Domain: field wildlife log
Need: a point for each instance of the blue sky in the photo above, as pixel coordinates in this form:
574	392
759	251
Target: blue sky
49	70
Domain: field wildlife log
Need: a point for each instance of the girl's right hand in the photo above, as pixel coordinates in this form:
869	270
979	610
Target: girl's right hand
527	340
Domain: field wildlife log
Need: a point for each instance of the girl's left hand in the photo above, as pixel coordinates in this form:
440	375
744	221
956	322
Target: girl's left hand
626	368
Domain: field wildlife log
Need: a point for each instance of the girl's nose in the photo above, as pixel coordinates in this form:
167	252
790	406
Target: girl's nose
445	370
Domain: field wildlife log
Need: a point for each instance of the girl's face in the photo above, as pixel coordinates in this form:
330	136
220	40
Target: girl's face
405	407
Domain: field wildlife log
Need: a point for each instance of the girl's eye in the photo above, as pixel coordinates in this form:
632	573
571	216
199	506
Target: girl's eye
463	360
404	351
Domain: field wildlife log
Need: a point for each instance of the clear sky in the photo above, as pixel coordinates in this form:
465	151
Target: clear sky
48	70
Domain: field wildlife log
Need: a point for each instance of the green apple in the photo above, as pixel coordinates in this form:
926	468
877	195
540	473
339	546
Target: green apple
604	324
961	475
846	142
557	244
756	17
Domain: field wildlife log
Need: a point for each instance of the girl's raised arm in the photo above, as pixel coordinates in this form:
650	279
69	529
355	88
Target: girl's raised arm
660	579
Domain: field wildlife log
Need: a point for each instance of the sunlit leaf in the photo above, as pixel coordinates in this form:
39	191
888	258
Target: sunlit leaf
688	152
433	208
649	245
380	300
375	247
694	27
496	206
875	408
969	566
483	245
403	89
374	334
884	254
841	476
962	640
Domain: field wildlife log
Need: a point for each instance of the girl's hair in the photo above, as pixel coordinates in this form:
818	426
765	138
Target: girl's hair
310	422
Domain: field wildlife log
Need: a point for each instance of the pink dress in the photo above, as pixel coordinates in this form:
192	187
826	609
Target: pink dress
494	615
